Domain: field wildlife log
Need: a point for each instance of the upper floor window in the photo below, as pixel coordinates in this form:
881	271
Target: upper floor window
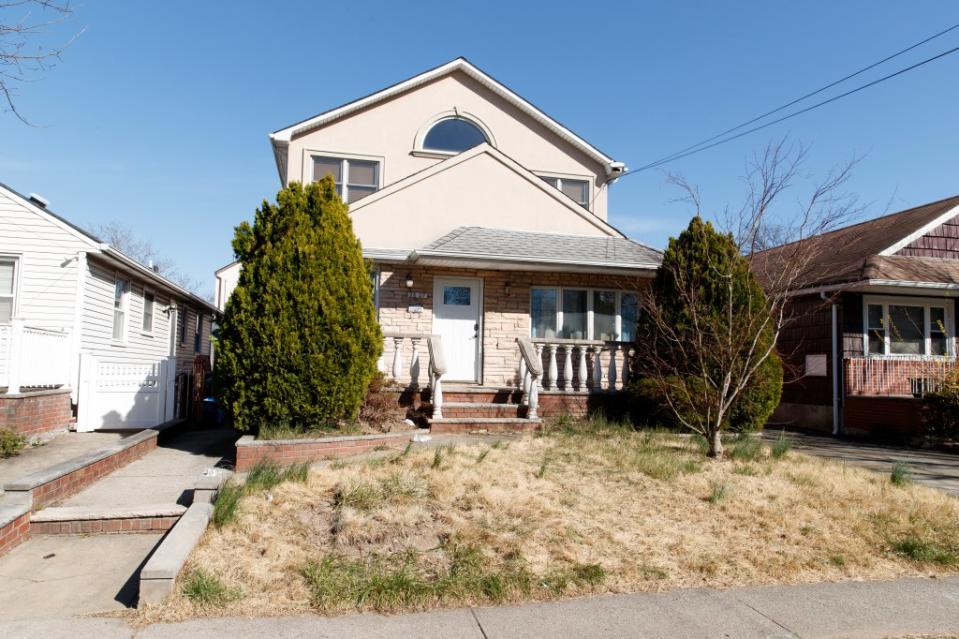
354	178
121	293
8	287
898	326
149	301
577	190
181	321
453	135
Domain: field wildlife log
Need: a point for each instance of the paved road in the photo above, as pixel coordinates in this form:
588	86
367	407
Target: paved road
932	468
871	610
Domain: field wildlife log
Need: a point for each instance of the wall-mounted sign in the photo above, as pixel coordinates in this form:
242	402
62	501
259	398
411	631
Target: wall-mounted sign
415	309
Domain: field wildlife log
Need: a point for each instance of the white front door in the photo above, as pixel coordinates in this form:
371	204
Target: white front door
457	309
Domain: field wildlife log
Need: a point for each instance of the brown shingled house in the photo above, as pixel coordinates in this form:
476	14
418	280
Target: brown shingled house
875	323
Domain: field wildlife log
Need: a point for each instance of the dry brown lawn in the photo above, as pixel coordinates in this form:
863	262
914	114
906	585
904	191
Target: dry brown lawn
572	512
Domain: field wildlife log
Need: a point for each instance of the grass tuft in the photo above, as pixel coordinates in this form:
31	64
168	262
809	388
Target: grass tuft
227	504
901	475
746	448
482	455
11	442
924	552
718	491
403	455
782	446
206	589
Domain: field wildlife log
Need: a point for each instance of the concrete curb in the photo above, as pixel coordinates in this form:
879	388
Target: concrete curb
84	513
158	576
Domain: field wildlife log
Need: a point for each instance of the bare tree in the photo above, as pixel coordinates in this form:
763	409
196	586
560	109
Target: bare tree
735	303
22	56
122	238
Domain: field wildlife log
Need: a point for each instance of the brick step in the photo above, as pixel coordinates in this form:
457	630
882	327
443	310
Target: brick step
80	519
482	409
483	425
478	395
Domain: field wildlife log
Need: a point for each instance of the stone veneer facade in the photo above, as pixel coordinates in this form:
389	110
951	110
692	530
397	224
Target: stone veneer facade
506	316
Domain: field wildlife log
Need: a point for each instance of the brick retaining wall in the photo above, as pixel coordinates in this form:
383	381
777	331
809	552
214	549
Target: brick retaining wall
295	451
124	525
14	532
38	412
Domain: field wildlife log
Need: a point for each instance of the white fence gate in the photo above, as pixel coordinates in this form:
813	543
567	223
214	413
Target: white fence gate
125	394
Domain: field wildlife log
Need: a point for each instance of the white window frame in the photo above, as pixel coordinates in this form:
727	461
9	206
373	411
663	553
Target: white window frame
15	294
926	303
590	328
310	154
143	311
183	318
560	177
124	309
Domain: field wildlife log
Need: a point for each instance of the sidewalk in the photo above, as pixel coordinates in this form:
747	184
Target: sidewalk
872	610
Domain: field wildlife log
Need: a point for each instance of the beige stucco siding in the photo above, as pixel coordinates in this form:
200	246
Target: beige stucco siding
479	191
505	315
388	131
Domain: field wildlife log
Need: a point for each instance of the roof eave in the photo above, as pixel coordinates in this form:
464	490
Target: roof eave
521	263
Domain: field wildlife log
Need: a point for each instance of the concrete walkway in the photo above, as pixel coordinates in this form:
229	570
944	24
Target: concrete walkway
58	449
873	610
932	468
163	476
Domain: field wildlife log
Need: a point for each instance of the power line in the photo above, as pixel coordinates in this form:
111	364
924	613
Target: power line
696	148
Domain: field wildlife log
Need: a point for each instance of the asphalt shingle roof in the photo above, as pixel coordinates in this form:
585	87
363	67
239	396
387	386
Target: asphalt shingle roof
502	244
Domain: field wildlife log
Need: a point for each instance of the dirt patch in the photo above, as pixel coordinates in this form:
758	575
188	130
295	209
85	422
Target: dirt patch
564	514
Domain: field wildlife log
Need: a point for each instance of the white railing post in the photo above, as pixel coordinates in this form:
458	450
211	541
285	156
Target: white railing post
568	367
581	374
550	381
397	358
437	369
533	401
597	367
539	358
523	377
627	359
613	348
15	363
415	363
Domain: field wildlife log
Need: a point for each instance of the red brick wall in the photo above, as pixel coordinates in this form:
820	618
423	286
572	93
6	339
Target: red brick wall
15	533
286	452
72	483
35	413
94	526
883	417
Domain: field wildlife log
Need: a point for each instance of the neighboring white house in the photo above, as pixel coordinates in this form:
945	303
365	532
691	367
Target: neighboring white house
77	313
486	221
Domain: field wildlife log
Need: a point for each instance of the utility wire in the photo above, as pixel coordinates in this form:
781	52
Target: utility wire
696	148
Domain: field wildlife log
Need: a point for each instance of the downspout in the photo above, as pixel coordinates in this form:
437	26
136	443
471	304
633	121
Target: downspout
836	418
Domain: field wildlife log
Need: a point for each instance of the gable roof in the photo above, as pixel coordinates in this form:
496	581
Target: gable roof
542	248
852	253
509	163
283	136
98	246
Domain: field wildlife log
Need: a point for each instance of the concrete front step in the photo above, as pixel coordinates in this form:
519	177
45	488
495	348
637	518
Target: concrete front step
483	425
482	409
83	519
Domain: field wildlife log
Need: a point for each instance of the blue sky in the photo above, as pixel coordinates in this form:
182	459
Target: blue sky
159	114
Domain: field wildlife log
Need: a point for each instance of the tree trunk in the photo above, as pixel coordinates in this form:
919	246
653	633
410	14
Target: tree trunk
715	444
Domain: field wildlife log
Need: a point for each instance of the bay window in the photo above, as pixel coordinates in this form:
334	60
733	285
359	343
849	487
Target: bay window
906	326
583	314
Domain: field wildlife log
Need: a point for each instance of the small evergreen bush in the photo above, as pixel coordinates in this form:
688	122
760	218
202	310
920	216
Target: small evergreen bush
11	442
299	338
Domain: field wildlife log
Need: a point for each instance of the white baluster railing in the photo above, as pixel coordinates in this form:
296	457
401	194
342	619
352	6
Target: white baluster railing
532	357
583	365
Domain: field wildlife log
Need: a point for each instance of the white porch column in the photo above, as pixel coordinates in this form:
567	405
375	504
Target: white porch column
568	367
553	369
415	363
597	368
612	366
581	372
397	358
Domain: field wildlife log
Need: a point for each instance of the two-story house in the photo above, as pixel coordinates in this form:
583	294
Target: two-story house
486	220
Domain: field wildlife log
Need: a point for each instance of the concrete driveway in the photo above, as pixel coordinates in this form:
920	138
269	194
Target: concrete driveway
932	468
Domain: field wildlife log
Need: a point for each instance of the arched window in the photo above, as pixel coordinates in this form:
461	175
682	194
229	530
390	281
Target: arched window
453	135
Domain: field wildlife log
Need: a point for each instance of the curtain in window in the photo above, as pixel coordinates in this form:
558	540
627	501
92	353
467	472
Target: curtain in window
574	314
604	315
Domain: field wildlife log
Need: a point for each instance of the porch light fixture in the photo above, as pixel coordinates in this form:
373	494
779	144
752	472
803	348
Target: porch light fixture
409	280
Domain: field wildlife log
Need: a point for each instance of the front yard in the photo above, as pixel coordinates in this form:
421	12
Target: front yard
584	508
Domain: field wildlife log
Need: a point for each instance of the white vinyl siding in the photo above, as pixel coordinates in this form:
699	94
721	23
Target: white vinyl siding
98	312
46	255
